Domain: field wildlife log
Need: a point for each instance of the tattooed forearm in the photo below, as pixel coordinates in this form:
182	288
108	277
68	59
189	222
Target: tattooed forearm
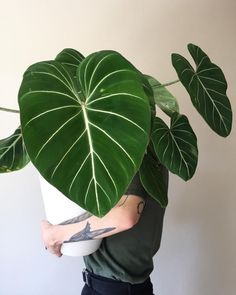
140	207
77	219
87	234
124	201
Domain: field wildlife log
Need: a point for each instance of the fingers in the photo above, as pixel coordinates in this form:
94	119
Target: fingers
55	248
51	243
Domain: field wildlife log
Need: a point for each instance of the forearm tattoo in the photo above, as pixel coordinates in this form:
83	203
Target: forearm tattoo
124	201
140	207
77	219
87	234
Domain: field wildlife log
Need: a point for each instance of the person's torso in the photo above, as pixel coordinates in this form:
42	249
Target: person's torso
128	256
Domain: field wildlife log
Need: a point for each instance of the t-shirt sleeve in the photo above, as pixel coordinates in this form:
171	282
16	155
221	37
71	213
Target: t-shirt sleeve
136	188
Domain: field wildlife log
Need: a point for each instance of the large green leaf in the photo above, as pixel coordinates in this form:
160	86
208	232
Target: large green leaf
176	147
152	177
163	98
207	88
86	134
70	58
13	155
149	92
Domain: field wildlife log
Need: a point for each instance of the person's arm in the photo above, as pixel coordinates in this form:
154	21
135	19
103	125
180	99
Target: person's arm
86	226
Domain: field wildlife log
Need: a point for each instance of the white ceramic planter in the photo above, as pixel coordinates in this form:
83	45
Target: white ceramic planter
58	209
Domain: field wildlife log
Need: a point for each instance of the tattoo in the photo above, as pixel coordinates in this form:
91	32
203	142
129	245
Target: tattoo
87	234
124	201
140	207
77	219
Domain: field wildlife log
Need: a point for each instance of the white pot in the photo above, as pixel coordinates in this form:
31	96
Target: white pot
59	208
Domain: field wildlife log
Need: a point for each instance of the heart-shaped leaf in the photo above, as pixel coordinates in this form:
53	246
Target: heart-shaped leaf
176	147
86	134
207	88
163	98
13	155
154	178
149	92
70	58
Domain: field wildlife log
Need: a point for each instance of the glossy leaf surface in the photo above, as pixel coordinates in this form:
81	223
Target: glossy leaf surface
207	88
70	58
86	134
163	98
13	155
152	178
176	147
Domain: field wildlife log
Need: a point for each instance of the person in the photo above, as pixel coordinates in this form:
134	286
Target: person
131	233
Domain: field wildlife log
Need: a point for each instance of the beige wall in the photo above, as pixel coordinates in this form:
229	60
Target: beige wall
198	248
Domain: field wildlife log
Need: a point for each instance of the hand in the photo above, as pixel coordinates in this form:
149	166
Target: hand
50	238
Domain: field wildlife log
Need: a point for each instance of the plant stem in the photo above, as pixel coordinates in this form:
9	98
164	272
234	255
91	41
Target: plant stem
156	86
167	84
9	110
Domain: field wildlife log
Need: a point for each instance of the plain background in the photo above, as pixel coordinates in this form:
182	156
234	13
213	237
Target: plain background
197	254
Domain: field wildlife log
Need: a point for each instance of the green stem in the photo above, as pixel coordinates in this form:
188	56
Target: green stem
9	110
167	84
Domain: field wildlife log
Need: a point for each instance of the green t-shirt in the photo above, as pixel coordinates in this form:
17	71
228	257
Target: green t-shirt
128	256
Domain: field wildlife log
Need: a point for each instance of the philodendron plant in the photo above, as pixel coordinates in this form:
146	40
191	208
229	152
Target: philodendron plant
88	124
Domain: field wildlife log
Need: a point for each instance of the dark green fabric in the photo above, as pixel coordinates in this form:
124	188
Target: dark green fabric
127	256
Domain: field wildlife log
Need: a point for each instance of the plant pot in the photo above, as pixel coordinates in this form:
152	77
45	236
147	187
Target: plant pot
58	209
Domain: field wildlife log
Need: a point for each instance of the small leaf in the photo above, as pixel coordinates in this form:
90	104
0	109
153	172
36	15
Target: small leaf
13	155
163	98
207	88
152	175
176	147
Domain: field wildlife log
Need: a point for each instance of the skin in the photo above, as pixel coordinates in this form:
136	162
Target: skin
86	226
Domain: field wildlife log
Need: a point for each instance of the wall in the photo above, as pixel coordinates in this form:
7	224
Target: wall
197	255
